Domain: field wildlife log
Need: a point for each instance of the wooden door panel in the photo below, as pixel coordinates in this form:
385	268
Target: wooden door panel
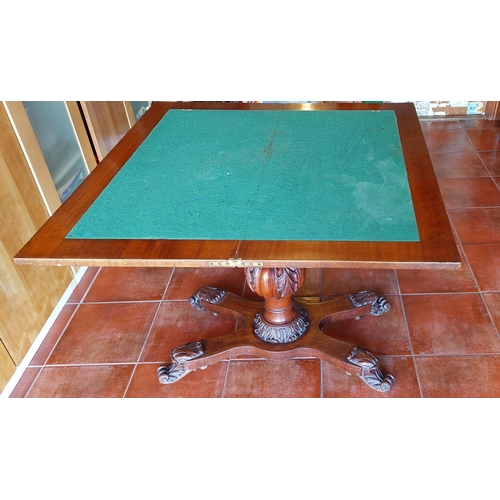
28	294
7	366
108	122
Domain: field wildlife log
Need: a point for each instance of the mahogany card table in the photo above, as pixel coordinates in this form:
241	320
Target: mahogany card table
274	189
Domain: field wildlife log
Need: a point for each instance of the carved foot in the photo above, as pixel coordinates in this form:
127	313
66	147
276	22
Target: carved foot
172	373
206	294
370	374
281	334
380	305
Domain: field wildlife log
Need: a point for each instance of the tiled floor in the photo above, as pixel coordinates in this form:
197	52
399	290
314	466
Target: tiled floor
440	338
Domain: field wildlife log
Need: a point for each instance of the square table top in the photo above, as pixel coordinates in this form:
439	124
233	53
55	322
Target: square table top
273	185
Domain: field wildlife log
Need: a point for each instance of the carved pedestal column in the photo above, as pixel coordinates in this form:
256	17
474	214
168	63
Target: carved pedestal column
281	320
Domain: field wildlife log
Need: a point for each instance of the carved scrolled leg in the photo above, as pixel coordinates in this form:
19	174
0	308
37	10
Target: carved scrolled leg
380	305
370	373
177	369
206	294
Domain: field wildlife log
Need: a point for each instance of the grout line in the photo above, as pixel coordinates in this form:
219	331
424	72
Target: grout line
168	284
487	169
321	372
77	307
410	344
136	364
117	302
481	294
223	393
82	300
63	331
458	355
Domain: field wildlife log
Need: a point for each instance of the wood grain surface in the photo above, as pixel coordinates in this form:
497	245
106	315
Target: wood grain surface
28	295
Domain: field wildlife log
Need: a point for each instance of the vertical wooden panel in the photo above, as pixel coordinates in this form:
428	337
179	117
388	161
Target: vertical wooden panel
7	366
130	113
107	122
28	294
28	138
81	134
493	110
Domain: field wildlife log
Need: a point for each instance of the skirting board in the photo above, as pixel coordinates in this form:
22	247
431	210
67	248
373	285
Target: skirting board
11	384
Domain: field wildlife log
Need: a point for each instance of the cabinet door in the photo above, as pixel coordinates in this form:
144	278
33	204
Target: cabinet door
56	145
108	122
28	294
58	141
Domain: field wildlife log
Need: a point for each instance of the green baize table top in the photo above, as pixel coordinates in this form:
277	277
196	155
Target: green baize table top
260	175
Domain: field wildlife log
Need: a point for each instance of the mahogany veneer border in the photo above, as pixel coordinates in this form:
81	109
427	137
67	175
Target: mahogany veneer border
437	248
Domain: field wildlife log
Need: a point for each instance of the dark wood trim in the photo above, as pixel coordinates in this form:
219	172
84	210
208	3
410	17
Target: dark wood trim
492	111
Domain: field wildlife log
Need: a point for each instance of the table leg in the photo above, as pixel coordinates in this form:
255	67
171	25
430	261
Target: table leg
280	328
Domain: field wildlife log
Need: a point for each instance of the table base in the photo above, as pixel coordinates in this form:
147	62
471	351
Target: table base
309	343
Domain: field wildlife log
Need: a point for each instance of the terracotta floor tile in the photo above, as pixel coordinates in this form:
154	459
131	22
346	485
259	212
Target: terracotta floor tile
465	193
186	281
486	139
208	383
493	303
450	324
458	165
337	282
178	323
485	264
476	225
430	125
437	280
53	335
384	335
105	333
274	379
24	384
447	140
82	287
129	284
337	384
479	123
459	376
491	159
82	382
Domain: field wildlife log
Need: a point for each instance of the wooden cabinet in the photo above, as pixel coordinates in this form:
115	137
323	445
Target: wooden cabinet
56	145
29	294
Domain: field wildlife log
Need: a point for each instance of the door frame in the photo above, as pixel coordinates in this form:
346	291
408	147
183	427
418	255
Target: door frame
492	111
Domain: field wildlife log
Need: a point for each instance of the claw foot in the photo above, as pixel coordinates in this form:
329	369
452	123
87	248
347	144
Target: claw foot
207	294
172	373
380	305
370	373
